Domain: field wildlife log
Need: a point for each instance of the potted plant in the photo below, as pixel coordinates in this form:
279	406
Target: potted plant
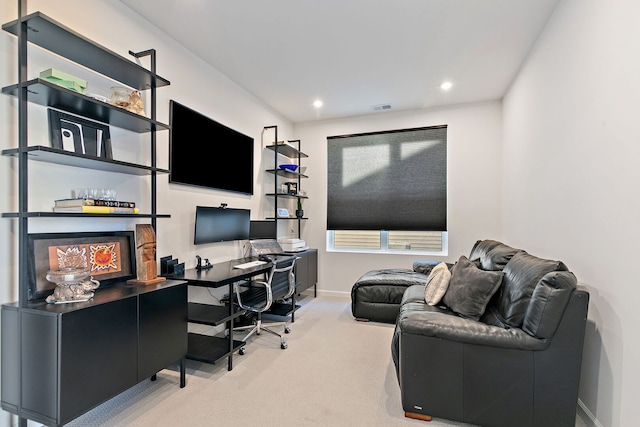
299	211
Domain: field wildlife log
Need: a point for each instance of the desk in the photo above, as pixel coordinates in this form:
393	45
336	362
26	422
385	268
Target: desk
206	348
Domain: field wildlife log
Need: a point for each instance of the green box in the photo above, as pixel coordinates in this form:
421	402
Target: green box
63	79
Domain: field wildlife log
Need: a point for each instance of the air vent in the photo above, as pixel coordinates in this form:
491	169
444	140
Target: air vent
381	107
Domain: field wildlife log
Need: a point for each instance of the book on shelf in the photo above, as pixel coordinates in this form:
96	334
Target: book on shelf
66	203
96	209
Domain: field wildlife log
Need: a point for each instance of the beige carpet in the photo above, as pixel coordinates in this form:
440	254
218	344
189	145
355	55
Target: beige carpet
335	372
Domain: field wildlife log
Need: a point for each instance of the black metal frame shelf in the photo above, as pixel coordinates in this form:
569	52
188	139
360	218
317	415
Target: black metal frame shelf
286	149
69	158
48	94
281	148
79	215
286	173
291	196
55	37
37	29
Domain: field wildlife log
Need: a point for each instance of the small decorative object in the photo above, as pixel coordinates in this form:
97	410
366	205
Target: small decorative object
79	135
73	284
130	100
283	213
299	211
108	257
289	167
292	188
146	266
63	79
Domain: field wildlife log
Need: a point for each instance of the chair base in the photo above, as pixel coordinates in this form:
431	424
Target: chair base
258	327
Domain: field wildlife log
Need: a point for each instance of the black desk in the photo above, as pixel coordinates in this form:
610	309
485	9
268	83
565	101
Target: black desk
207	348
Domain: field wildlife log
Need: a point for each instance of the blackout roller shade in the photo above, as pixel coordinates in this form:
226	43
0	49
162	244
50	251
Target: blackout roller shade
392	180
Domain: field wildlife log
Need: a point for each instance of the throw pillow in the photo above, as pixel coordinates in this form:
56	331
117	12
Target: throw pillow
471	288
437	283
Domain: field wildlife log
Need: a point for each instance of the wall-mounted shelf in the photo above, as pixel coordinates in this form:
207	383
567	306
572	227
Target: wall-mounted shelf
286	149
291	196
80	215
55	37
48	94
69	158
286	173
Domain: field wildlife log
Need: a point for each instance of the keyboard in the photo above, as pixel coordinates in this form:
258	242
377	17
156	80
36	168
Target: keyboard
249	264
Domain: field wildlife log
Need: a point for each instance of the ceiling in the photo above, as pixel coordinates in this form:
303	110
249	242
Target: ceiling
356	54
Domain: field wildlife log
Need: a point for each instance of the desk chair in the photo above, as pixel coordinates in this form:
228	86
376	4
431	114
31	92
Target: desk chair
280	284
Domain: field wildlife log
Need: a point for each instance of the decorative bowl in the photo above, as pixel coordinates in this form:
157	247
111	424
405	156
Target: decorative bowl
66	276
289	167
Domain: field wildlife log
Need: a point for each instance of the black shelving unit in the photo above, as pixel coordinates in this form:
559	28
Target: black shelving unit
291	152
39	30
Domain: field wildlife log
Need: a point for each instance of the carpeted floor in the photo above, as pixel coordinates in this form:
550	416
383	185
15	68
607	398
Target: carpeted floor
335	372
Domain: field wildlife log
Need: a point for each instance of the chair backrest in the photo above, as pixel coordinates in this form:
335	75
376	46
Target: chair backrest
282	279
280	283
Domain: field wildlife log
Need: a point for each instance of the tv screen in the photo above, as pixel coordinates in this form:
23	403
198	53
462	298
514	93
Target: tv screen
206	153
220	224
266	229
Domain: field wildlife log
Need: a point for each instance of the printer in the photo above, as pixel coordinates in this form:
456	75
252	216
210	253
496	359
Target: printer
293	245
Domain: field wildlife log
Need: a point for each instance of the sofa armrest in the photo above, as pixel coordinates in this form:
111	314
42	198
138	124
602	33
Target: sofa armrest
425	267
422	319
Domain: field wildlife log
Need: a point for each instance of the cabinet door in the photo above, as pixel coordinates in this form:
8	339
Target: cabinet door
302	272
307	270
98	347
163	329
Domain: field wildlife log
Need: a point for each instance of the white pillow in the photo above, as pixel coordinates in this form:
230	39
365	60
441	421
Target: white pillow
437	284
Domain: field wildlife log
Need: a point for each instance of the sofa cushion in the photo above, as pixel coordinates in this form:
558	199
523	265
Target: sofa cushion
470	288
521	276
493	255
548	302
437	284
424	267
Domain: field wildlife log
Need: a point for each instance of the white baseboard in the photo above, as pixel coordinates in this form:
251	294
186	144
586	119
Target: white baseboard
589	419
339	294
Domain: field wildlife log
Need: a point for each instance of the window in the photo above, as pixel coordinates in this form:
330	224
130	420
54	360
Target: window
387	191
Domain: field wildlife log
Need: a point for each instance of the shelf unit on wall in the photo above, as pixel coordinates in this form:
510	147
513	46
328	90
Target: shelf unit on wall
148	348
291	152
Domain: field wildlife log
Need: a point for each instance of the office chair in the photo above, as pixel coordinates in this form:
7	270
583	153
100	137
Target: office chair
280	284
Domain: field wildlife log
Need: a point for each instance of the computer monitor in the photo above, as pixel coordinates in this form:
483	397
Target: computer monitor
221	224
263	229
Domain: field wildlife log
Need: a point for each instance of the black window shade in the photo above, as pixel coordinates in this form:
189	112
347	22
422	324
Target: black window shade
392	180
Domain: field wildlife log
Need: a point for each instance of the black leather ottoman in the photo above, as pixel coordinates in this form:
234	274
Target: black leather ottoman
376	296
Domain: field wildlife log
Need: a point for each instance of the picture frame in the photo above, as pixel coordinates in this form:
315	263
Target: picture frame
109	255
79	135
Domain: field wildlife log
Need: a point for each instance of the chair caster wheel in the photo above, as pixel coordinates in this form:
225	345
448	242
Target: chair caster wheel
242	351
283	345
286	330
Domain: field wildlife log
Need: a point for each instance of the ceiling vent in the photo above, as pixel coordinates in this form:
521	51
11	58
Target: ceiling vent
381	107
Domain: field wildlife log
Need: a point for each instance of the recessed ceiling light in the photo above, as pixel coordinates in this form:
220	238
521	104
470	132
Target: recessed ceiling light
317	103
446	85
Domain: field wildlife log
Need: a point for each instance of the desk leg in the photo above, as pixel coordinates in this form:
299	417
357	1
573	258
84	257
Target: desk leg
230	358
183	368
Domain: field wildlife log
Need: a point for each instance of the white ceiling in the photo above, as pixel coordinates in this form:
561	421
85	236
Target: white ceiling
354	54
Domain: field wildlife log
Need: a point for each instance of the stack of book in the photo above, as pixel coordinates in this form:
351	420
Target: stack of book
97	206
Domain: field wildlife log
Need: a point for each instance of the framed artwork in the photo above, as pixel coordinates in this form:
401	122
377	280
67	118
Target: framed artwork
109	255
79	135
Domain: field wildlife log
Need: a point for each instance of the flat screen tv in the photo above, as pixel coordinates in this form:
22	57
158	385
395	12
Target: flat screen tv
220	224
206	153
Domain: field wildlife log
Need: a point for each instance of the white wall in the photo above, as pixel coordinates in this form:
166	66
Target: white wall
474	138
193	83
571	175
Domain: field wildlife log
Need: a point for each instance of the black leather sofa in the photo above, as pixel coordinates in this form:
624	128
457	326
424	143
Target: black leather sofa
518	364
